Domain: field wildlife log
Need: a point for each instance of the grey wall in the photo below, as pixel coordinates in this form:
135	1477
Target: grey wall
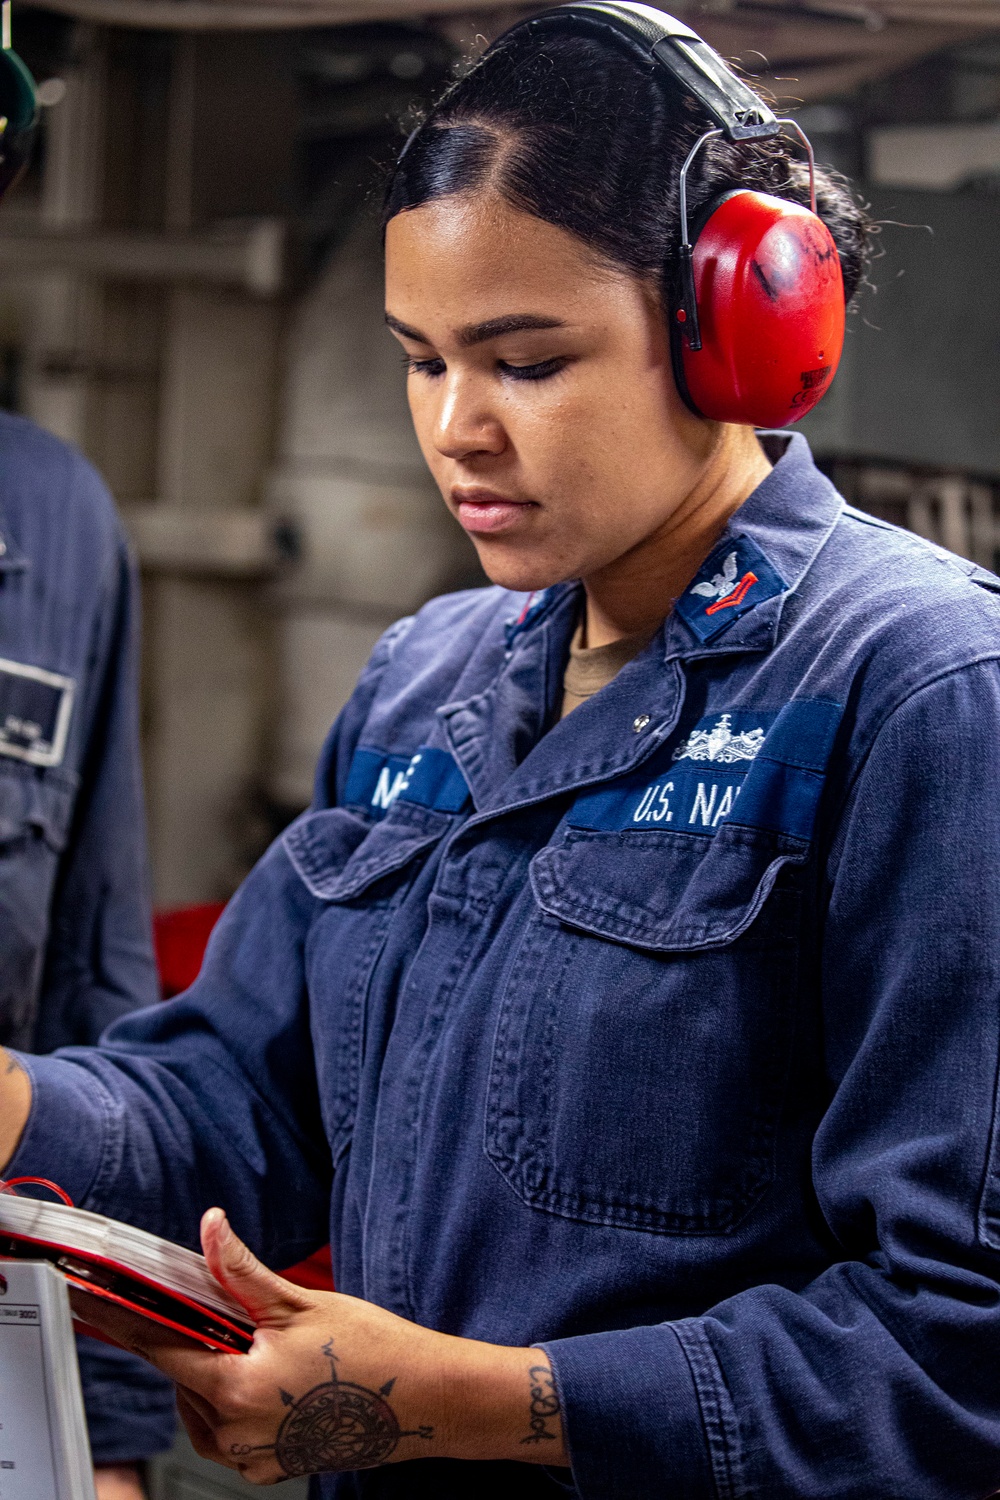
920	381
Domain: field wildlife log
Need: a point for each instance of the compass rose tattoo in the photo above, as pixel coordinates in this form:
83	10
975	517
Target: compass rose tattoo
335	1426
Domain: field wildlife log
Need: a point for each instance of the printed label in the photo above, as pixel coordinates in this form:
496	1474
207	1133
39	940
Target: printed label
763	769
35	710
429	778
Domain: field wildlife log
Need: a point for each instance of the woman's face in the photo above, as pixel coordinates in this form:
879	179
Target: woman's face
541	390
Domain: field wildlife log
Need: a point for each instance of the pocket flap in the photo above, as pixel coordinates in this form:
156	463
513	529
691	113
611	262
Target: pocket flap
34	803
339	855
661	890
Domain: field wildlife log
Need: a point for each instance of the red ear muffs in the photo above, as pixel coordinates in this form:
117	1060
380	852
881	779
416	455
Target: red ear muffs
770	295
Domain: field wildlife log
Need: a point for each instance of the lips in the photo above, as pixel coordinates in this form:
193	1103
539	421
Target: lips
485	512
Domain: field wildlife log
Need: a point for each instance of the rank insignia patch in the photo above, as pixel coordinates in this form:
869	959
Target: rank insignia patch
735	577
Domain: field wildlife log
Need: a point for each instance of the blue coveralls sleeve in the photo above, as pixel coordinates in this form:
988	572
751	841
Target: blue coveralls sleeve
74	608
210	1098
99	966
881	1376
99	957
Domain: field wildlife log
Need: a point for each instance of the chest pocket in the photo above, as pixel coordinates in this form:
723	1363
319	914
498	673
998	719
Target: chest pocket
361	873
643	1042
35	813
644	1035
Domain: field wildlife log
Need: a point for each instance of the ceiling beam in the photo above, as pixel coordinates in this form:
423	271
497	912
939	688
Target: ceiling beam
827	16
811	58
799	50
980	14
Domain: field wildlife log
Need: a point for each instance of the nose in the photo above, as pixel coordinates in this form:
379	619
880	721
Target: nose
465	424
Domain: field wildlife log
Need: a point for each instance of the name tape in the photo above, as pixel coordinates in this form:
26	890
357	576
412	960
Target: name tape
760	769
429	778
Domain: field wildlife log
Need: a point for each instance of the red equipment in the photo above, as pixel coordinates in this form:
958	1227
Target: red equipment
759	330
770	297
180	938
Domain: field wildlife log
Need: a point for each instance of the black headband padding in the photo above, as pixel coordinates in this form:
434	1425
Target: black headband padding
691	63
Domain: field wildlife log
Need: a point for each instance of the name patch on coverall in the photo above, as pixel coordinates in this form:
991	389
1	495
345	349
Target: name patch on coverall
430	778
763	769
35	710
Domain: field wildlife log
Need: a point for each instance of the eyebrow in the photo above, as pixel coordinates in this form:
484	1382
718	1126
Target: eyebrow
479	333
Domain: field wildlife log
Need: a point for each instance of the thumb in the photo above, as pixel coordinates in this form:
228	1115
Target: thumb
268	1298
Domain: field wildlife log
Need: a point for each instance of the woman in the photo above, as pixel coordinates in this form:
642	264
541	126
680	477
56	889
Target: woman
625	1008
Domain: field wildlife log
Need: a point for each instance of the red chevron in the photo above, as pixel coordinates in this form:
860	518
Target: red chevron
737	596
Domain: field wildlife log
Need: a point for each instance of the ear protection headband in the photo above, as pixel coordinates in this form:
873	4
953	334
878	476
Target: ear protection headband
18	108
759	328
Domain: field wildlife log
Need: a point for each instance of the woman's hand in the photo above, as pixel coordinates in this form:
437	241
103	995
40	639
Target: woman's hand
333	1383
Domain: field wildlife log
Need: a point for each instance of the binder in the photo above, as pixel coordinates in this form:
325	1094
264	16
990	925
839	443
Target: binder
44	1449
118	1263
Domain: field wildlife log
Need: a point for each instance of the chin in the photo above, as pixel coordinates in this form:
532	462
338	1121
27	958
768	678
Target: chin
522	573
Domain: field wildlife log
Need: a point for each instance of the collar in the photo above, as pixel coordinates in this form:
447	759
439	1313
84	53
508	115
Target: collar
493	732
497	736
777	533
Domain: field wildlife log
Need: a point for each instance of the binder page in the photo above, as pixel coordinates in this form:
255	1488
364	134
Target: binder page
27	1422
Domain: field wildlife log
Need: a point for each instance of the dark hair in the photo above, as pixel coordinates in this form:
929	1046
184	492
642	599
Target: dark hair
587	135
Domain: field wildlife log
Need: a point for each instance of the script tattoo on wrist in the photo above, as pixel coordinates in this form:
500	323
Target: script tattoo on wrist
544	1412
336	1426
11	1064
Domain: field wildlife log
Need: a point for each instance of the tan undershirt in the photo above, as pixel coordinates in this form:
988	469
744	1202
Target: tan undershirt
592	667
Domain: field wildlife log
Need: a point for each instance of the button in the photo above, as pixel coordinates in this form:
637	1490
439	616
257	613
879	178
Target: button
3	547
640	723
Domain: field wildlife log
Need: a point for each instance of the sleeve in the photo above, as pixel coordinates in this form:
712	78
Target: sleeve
99	954
99	957
210	1098
882	1376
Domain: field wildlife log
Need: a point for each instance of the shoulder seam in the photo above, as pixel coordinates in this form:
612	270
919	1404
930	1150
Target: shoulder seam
911	693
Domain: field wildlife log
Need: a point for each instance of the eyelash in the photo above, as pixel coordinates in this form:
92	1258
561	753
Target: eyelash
541	371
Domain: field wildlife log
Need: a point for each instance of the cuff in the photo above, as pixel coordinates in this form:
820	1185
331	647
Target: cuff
69	1129
631	1415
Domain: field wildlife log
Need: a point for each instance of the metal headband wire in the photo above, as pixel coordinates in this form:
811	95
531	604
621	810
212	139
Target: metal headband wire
711	135
687	315
807	143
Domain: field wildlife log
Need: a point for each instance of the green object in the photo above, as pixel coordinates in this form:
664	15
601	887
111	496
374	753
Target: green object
18	114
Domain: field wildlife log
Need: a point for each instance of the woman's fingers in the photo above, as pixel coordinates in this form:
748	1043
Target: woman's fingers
129	1329
235	1445
204	1410
267	1297
199	1430
182	1360
231	1445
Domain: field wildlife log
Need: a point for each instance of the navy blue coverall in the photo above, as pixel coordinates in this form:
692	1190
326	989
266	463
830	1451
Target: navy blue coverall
665	1035
75	940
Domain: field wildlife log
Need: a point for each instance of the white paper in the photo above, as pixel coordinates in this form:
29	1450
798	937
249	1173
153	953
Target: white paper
27	1460
44	1451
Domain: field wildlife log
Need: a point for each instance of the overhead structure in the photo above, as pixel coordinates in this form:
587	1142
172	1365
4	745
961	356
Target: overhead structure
802	50
273	14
